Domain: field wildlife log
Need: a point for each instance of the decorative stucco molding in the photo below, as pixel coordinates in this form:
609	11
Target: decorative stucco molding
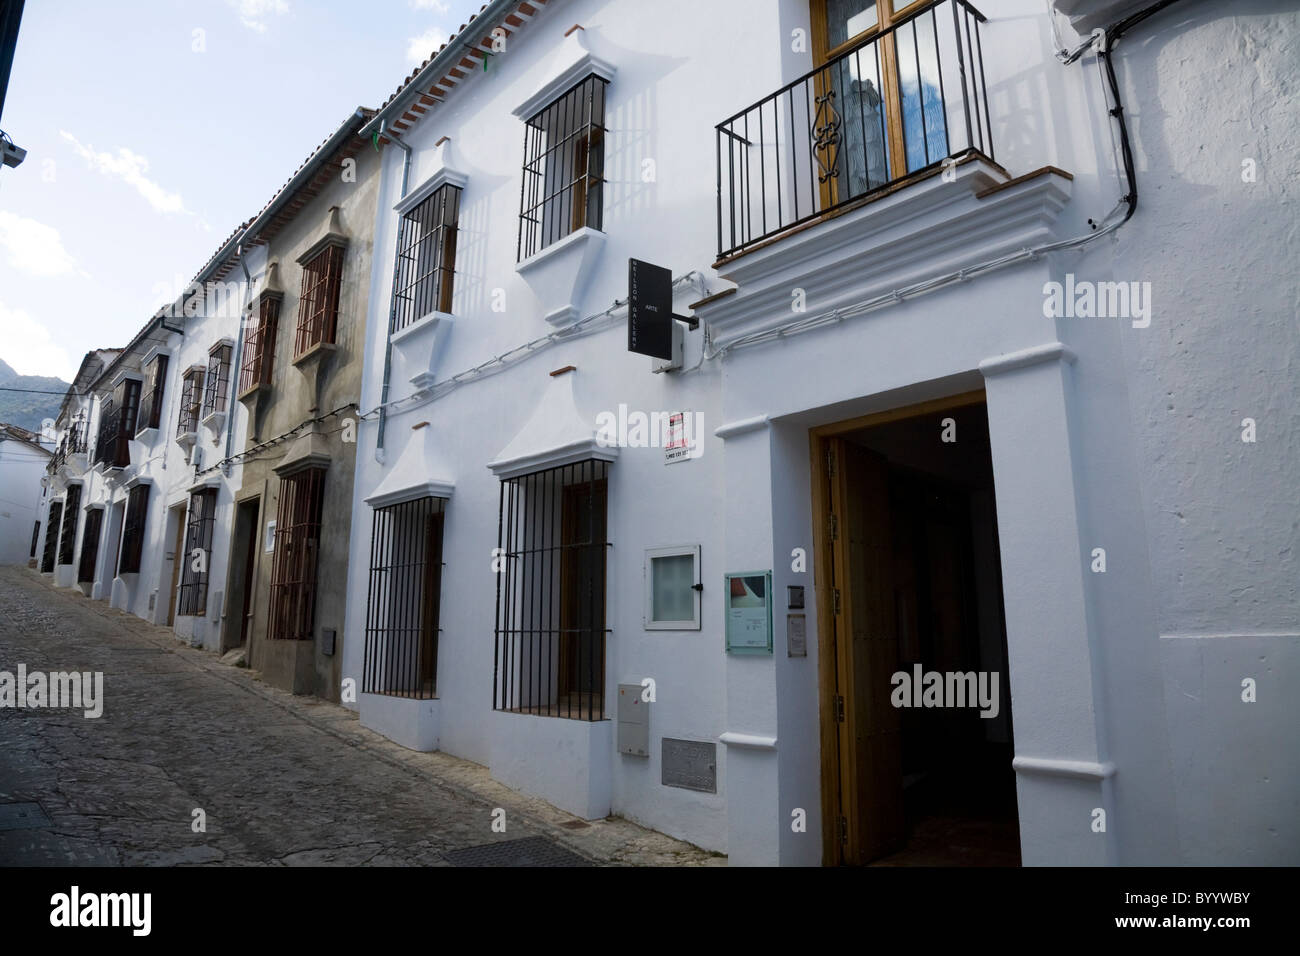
571	63
929	228
555	435
420	471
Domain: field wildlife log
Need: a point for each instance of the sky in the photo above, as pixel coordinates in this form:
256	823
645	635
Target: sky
153	128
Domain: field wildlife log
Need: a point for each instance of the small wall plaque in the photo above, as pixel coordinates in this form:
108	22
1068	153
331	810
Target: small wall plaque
796	635
748	597
689	764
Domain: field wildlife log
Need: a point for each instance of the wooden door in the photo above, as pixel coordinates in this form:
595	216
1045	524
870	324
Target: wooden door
248	514
867	726
178	559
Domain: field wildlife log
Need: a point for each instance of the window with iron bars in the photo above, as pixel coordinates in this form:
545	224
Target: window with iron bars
36	536
51	536
401	654
192	596
117	419
68	540
137	504
217	383
191	402
564	168
151	402
318	307
293	565
90	544
259	344
426	257
550	628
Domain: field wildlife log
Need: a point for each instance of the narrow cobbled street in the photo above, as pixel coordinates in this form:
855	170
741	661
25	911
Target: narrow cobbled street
280	780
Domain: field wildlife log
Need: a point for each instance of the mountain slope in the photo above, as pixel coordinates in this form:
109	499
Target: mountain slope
22	401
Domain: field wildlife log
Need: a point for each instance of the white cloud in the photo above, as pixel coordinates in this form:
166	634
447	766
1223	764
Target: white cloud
35	248
437	6
130	167
254	14
29	347
421	48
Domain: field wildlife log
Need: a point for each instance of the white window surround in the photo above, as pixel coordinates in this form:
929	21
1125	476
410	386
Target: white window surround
682	624
571	63
445	176
556	434
420	471
559	274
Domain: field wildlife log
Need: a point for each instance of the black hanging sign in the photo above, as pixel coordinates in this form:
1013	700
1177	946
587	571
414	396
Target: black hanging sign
649	309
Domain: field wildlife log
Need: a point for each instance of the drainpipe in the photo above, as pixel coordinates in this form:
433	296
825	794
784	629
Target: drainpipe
392	304
234	366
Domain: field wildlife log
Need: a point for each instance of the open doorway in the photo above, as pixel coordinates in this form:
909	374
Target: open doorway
243	565
916	718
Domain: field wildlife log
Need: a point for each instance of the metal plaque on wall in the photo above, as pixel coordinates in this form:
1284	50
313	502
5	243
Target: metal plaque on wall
689	764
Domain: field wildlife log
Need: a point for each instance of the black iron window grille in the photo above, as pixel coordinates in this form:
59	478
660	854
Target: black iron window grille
117	418
36	536
318	307
217	382
137	506
192	597
51	536
103	439
68	539
259	346
401	654
550	627
892	106
564	168
191	402
90	544
293	565
426	257
151	402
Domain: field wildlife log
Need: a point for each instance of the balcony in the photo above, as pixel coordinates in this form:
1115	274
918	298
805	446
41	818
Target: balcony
895	108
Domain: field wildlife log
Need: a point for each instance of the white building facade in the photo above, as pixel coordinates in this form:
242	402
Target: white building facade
153	502
23	460
968	408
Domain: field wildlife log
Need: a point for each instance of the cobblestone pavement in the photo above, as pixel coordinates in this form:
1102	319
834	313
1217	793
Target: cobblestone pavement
283	780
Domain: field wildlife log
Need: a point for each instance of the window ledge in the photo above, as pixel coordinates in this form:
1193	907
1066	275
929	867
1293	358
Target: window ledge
187	439
560	273
417	348
148	435
250	394
924	229
315	353
214	421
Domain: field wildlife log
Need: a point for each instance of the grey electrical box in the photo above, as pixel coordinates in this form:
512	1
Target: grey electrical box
633	721
327	641
689	764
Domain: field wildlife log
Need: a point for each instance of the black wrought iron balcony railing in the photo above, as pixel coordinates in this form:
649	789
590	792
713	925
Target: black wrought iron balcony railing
889	108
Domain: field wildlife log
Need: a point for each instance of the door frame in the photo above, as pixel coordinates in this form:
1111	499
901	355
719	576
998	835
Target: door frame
824	583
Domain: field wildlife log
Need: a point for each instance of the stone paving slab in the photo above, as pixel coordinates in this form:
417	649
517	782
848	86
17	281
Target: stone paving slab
283	780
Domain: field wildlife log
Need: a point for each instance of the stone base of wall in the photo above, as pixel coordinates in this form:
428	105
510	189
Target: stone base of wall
289	665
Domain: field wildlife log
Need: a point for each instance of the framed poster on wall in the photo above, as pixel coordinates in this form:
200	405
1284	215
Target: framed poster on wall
749	612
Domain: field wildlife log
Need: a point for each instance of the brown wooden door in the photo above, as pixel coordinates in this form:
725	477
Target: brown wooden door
869	744
430	599
178	559
248	514
581	673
